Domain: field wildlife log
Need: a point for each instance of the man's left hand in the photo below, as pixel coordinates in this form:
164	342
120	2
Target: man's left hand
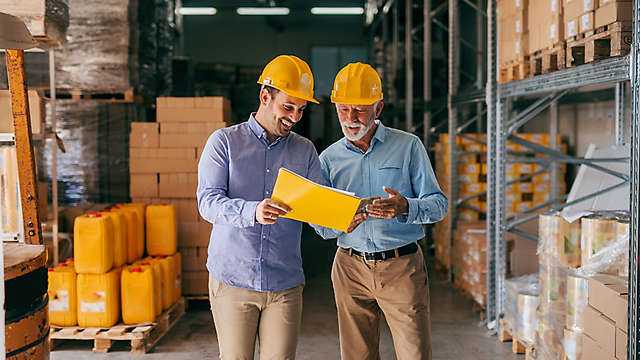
394	205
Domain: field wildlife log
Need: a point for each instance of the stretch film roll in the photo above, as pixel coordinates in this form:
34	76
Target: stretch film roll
577	295
527	304
559	239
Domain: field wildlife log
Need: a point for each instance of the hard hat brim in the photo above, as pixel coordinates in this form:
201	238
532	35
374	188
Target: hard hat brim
295	94
354	101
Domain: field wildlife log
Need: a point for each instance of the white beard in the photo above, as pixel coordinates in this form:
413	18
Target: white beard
361	133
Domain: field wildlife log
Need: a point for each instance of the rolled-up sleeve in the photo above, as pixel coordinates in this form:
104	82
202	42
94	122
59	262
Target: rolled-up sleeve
430	204
213	178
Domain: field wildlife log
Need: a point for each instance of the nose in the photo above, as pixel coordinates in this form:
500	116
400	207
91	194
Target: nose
352	114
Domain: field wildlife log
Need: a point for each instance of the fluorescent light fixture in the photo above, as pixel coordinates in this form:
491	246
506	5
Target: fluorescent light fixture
337	11
262	11
197	11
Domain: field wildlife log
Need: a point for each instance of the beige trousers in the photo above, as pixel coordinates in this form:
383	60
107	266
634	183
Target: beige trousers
397	287
240	315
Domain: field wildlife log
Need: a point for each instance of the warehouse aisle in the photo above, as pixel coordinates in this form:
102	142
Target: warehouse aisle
456	332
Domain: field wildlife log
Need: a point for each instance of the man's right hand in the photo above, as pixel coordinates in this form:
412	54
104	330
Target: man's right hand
357	219
268	211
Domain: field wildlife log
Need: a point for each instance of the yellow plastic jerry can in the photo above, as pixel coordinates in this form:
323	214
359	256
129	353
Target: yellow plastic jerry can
137	295
178	276
140	211
131	220
157	281
63	298
167	265
92	244
119	237
162	230
99	299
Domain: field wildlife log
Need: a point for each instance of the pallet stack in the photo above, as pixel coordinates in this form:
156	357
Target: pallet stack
597	30
546	36
470	261
164	159
513	40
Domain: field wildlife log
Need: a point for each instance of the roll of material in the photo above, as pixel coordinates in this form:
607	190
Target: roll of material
577	296
573	344
553	287
599	231
559	239
527	305
550	332
622	228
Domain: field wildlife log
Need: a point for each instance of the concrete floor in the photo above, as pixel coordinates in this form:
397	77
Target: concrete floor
457	333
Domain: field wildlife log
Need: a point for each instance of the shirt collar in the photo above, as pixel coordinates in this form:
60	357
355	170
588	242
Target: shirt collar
256	128
379	135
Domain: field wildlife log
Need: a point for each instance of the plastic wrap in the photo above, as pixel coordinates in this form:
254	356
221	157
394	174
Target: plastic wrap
573	344
101	49
523	285
95	166
577	294
550	334
527	304
559	239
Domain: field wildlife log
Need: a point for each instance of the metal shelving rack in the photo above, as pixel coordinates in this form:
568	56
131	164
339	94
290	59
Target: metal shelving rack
554	86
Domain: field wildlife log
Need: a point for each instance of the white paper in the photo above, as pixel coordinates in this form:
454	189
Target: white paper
326	187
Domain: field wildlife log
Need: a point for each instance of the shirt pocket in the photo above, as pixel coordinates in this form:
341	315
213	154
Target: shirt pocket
391	174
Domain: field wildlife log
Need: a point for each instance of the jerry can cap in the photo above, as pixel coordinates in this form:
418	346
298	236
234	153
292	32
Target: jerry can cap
136	269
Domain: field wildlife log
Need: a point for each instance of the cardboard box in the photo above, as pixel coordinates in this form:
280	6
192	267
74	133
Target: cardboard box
587	22
150	166
186	209
143	185
180	186
195	282
194	258
194	234
36	111
573	9
601	329
589	5
621	344
205	109
191	128
183	140
175	102
144	135
592	350
608	294
613	12
188	153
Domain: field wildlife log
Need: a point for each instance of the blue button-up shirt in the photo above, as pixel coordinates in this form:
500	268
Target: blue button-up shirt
238	169
395	159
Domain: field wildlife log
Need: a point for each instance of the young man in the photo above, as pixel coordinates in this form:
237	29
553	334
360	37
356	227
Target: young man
378	266
254	261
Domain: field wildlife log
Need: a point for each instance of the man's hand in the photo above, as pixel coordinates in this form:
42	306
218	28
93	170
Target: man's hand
357	220
394	205
268	211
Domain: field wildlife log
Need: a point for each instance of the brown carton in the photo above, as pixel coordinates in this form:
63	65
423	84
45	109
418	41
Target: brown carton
601	329
573	9
587	22
613	12
36	111
144	135
143	186
591	350
148	166
183	140
191	128
188	153
195	282
621	344
194	234
194	258
608	294
175	102
180	186
186	209
589	5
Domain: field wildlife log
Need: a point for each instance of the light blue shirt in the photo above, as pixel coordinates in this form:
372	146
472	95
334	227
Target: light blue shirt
395	159
238	169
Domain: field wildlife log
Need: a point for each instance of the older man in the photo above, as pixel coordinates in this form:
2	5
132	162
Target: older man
379	267
254	260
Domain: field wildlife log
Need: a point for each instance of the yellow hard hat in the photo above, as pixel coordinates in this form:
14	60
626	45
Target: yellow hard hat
291	75
357	84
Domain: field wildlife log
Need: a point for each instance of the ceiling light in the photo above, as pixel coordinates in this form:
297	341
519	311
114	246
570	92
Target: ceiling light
197	11
262	11
337	11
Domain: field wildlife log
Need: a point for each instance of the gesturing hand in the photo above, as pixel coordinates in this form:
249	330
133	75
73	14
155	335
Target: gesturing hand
388	208
358	218
268	211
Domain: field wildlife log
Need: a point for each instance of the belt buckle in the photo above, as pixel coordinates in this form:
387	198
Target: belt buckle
369	257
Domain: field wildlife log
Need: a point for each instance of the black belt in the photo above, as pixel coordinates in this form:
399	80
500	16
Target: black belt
384	255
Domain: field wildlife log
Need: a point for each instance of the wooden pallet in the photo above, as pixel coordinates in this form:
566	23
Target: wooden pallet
505	333
516	70
548	60
142	337
103	95
602	43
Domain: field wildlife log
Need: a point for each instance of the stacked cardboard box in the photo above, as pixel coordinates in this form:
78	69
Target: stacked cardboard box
164	159
470	260
513	30
605	319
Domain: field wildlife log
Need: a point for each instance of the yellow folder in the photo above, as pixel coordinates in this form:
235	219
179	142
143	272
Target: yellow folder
314	203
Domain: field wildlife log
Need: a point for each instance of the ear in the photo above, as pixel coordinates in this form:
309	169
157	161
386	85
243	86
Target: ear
265	97
379	109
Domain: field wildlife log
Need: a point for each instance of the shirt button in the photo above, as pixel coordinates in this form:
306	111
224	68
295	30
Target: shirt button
264	236
267	192
268	170
261	259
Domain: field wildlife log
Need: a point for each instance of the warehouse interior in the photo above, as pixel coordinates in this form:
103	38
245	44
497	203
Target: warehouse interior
527	110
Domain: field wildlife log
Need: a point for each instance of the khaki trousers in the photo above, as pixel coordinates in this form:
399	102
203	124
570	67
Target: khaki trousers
397	287
240	315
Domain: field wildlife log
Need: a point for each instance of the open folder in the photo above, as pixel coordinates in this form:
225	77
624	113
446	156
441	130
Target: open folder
314	203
